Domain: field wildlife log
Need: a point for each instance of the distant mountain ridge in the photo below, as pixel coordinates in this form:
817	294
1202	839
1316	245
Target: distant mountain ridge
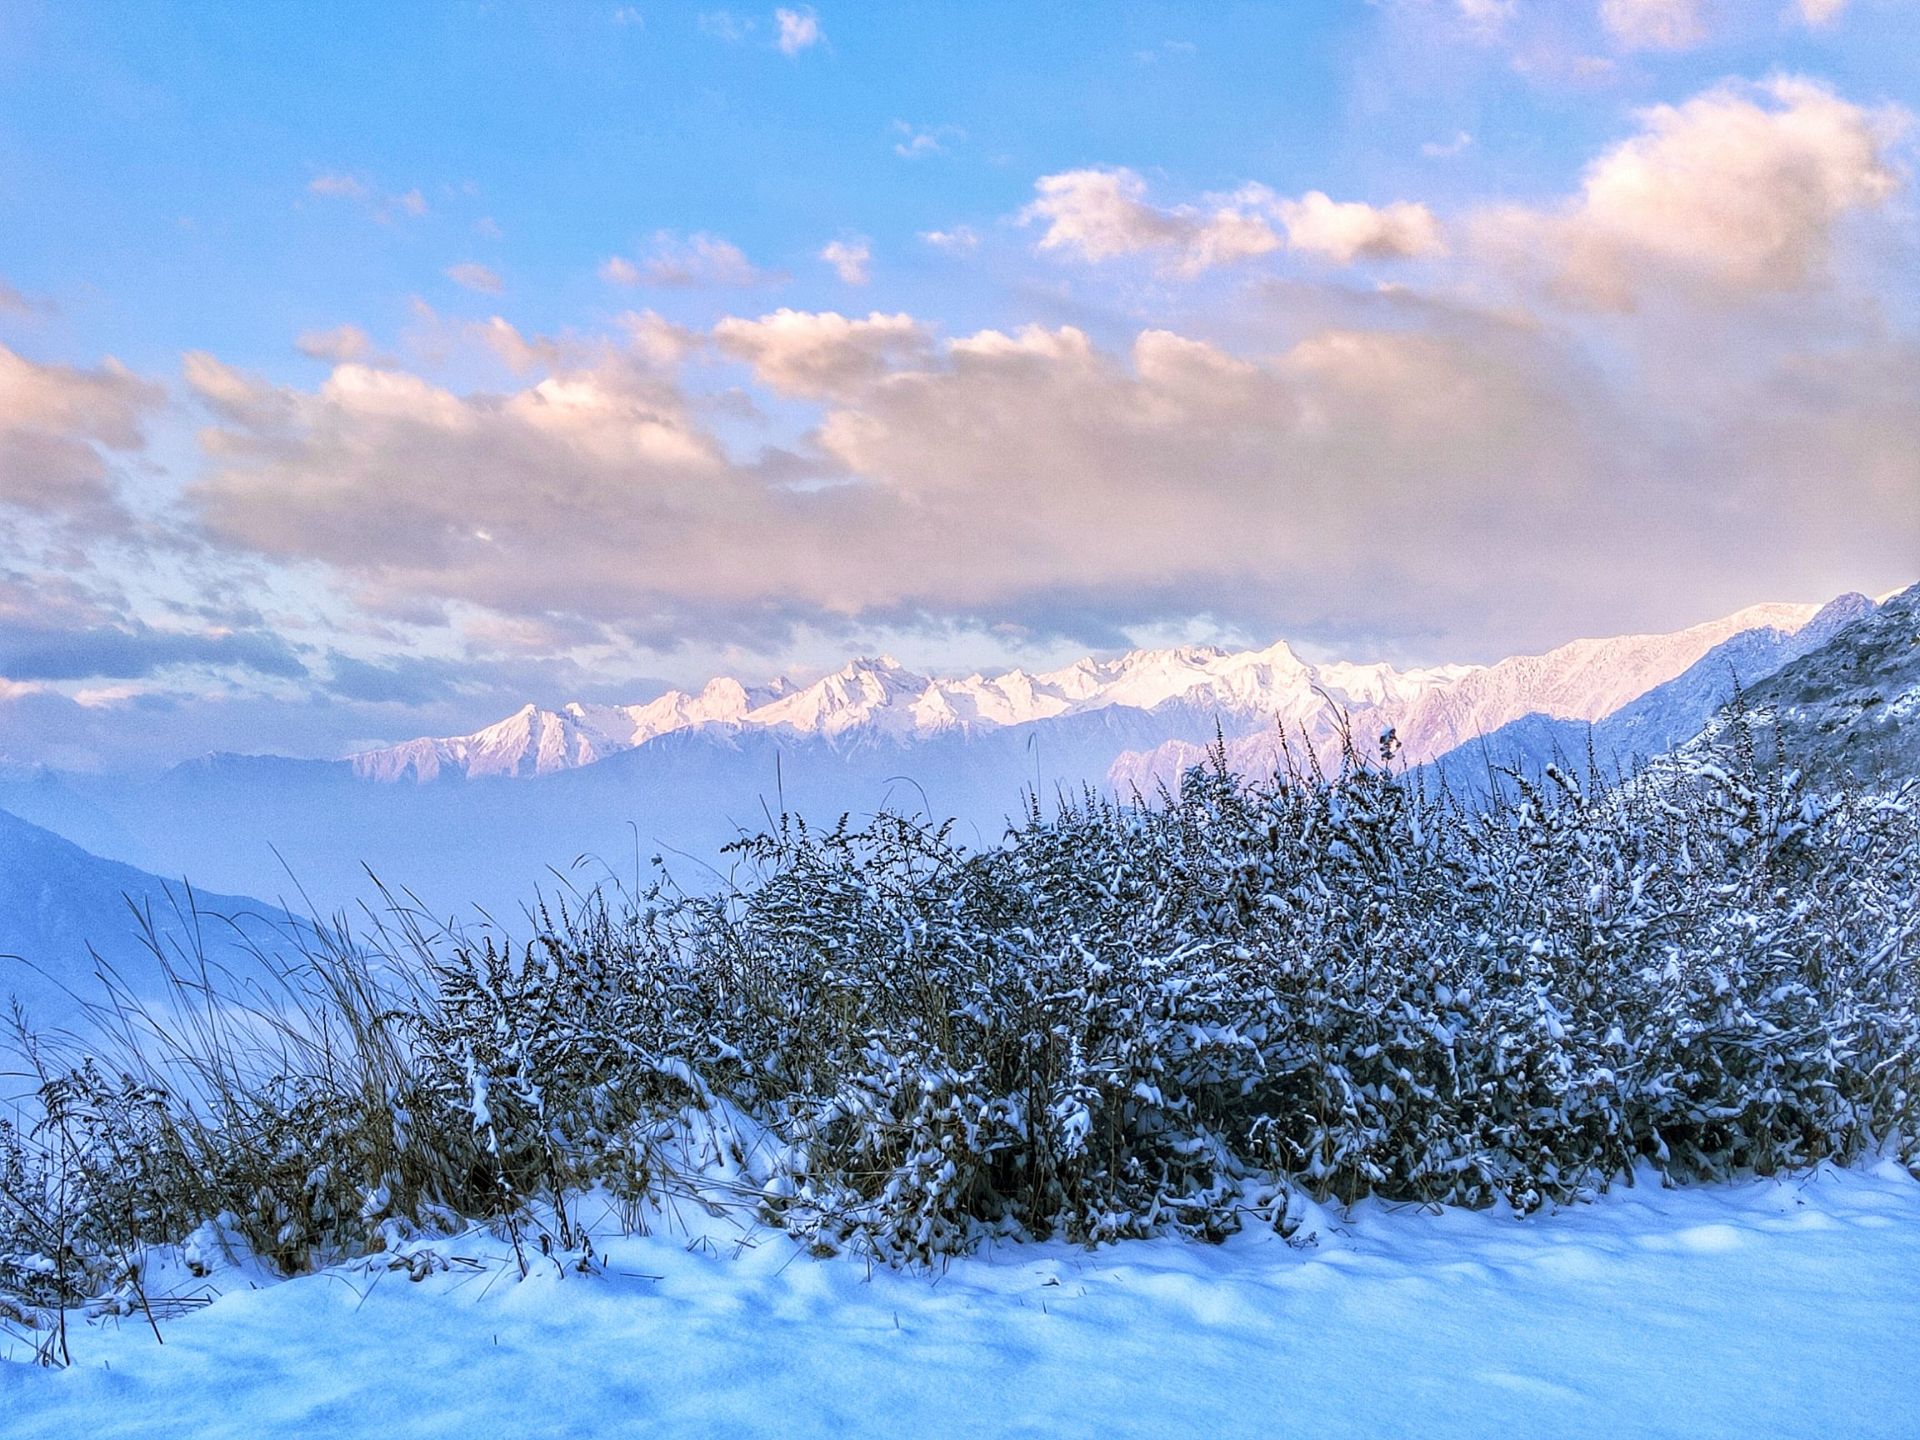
532	741
61	907
1432	709
882	698
1664	717
1583	681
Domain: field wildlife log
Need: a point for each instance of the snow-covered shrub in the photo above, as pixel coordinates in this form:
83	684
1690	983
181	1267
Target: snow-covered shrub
1123	1019
34	1251
548	1057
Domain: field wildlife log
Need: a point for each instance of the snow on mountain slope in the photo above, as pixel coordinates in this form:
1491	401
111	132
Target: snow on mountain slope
533	741
1666	716
1433	709
881	697
1379	684
1771	1308
880	693
1584	680
1669	713
1851	707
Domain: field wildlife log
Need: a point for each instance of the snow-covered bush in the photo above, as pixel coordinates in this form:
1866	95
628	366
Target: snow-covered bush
1123	1019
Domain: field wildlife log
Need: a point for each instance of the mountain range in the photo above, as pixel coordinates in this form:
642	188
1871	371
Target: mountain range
552	798
1431	710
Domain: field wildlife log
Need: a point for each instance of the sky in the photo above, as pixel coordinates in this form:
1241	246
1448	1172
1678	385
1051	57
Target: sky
368	372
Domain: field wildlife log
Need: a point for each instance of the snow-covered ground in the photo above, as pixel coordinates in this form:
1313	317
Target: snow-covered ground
1771	1308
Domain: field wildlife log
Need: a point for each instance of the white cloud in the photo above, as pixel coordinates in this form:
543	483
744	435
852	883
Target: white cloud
849	259
472	275
54	422
1820	13
960	240
105	404
1487	14
1102	214
1232	229
618	270
1654	24
339	187
816	355
725	25
799	30
629	17
383	205
1178	49
12	302
343	342
656	341
686	262
1447	149
917	142
1349	231
1737	192
515	350
1551	64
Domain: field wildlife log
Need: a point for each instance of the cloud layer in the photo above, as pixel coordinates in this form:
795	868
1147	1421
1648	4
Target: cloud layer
1428	477
677	262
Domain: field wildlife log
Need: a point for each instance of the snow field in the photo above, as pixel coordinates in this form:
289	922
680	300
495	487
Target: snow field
1767	1308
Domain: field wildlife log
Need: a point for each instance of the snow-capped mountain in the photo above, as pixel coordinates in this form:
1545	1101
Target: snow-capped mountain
1584	680
881	697
533	741
1666	716
1432	709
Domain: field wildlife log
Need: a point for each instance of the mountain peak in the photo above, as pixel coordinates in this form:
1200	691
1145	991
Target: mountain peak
872	665
1840	612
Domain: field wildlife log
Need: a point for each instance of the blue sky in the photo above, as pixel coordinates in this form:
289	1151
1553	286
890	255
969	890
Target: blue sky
369	370
156	156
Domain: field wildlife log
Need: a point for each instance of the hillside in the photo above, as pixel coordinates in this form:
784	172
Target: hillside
1500	1109
1851	707
60	907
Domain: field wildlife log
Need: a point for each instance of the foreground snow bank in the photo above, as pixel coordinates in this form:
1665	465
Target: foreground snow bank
1779	1308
